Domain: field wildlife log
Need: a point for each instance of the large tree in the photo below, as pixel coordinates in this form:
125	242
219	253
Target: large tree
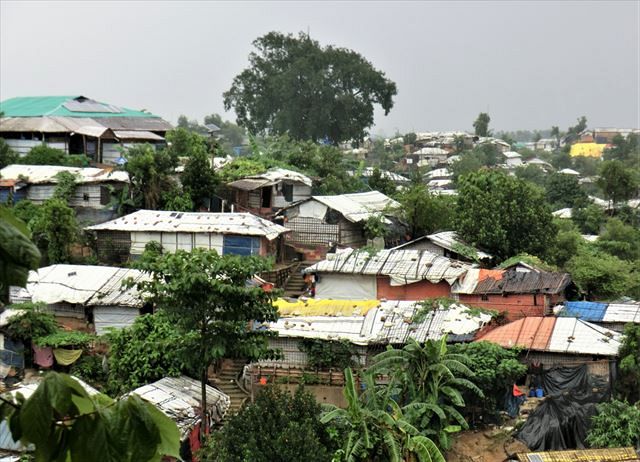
293	85
618	183
207	298
504	215
481	124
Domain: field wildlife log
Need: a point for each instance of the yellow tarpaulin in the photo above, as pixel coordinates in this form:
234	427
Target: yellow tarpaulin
587	149
66	357
312	307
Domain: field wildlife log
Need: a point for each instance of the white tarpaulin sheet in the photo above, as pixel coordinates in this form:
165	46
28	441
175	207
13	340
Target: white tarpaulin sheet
117	317
346	286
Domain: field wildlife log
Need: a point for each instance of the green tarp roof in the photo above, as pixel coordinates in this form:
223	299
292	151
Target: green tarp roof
65	106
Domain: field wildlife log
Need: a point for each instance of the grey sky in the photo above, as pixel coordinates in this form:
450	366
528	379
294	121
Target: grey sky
530	65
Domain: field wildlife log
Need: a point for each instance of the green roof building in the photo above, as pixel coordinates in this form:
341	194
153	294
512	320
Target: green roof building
77	125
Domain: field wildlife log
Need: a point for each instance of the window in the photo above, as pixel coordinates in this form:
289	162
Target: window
287	192
485	298
240	245
85	197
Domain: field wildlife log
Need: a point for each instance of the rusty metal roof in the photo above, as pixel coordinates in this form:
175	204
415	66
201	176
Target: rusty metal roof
520	282
556	335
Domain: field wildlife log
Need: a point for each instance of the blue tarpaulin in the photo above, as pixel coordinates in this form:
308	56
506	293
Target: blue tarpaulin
587	311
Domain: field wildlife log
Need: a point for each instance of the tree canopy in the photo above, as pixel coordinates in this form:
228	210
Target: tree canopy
503	215
294	85
481	124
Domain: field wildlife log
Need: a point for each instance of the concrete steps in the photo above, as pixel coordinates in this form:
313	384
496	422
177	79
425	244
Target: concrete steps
295	285
225	381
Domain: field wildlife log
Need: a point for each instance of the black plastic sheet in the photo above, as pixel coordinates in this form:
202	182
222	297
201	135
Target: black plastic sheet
563	420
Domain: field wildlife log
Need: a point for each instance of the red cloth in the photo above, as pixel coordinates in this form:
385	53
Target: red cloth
43	357
517	391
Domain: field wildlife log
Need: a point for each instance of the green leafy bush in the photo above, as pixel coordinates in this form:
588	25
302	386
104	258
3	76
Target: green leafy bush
62	338
325	354
89	368
279	426
147	351
617	424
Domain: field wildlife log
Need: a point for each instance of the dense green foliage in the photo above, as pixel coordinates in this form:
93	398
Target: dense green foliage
629	369
45	155
481	124
326	354
90	369
33	323
148	350
7	155
278	426
198	179
495	370
18	254
601	276
62	338
65	424
617	424
375	428
65	186
295	86
206	297
426	213
618	182
563	191
503	215
54	229
429	380
150	173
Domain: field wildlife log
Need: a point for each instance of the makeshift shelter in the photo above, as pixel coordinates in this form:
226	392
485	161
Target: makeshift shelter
321	222
268	192
91	196
518	292
368	325
228	233
563	419
560	341
393	274
179	398
447	244
85	297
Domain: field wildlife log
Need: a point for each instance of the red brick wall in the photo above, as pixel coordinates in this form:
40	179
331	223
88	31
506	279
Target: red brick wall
515	306
416	291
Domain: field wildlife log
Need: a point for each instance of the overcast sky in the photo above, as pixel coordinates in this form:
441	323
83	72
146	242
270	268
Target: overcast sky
529	65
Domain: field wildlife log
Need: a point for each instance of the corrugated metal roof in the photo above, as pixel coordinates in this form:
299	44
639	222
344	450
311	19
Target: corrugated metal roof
179	398
249	184
520	282
7	314
449	240
603	311
556	335
389	321
402	266
438	173
368	172
358	206
244	224
511	155
67	106
84	284
276	175
137	135
582	455
563	213
39	174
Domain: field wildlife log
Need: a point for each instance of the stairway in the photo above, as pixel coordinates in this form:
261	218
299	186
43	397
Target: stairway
295	284
225	381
